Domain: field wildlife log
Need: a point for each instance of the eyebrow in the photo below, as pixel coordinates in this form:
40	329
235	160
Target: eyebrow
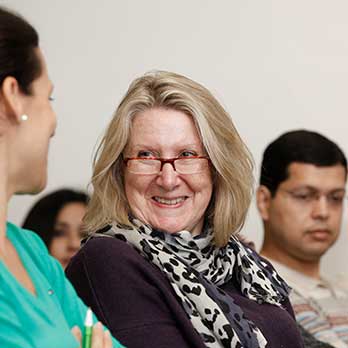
312	188
62	224
181	146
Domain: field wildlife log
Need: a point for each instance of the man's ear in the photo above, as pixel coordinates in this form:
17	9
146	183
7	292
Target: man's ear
11	98
263	201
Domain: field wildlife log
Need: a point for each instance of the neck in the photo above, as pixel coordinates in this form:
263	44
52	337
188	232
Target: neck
308	268
3	193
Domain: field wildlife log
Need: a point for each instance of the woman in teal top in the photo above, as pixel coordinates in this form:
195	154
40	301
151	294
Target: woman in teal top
44	319
38	306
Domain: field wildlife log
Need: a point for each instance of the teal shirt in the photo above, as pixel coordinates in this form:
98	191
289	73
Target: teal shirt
44	320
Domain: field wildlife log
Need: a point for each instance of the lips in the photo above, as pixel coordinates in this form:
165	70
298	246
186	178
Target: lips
169	201
320	234
324	230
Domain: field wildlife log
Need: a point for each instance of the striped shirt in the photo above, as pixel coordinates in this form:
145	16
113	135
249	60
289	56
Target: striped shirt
320	306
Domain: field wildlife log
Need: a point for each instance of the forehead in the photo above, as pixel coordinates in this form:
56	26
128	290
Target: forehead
71	209
164	128
322	178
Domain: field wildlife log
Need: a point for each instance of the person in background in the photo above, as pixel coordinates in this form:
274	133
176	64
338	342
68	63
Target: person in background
300	200
39	307
57	219
172	186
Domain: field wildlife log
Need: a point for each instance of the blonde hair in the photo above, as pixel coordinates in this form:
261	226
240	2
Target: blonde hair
232	162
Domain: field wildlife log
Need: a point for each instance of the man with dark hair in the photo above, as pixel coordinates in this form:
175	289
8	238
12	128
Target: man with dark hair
300	199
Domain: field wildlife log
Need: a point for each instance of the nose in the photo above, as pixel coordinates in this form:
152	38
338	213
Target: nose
74	242
168	177
321	208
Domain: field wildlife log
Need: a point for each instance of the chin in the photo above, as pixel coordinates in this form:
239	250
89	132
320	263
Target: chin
38	187
168	227
315	255
31	191
174	227
31	184
64	264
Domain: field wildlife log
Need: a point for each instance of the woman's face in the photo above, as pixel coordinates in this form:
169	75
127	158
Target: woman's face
169	201
32	136
69	226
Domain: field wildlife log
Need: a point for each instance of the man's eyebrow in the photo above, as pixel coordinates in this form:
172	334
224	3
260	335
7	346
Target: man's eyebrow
341	189
306	187
313	188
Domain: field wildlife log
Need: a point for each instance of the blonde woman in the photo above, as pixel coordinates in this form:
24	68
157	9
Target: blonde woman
163	267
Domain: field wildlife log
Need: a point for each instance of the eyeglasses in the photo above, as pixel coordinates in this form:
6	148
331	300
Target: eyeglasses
154	165
306	198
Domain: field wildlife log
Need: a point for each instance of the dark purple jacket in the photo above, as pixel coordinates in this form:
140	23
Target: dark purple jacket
135	300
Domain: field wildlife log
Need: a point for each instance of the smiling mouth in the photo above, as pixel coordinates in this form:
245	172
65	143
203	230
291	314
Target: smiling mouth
168	201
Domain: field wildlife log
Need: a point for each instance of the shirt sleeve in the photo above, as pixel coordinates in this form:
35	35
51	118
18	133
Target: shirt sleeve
72	306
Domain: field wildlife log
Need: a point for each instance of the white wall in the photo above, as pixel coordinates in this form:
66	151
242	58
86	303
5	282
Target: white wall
275	65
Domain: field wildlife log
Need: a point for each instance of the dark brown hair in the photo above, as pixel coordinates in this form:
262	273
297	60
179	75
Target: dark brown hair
18	40
301	146
42	217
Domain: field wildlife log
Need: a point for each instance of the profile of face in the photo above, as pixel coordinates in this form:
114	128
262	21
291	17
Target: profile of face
168	200
303	218
69	226
32	136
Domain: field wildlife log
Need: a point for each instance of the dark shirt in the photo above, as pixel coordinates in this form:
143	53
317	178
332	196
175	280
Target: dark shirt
135	300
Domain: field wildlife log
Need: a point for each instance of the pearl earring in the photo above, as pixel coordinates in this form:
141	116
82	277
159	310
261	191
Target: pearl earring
24	117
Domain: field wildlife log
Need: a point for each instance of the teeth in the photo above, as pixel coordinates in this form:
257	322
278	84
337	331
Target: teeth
169	201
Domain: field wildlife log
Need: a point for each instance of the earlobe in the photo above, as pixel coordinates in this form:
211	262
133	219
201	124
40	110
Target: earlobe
263	201
12	99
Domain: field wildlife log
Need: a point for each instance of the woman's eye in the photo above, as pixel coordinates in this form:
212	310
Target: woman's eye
145	154
51	98
188	154
59	233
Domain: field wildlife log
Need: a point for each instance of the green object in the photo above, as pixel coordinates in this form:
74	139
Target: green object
87	338
44	320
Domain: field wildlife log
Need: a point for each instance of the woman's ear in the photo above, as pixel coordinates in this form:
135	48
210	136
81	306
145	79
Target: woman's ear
263	201
11	98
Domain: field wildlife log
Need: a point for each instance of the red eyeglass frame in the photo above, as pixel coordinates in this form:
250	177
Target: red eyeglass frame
164	160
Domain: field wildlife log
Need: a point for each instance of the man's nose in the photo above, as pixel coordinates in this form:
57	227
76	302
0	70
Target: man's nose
321	208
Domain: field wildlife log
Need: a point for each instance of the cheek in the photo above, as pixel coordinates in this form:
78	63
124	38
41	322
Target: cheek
136	187
201	184
57	247
336	218
40	149
47	119
282	215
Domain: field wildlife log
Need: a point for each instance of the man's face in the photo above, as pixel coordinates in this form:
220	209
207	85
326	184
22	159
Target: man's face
303	219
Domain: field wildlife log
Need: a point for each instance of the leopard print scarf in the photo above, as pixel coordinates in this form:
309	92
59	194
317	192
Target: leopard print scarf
195	269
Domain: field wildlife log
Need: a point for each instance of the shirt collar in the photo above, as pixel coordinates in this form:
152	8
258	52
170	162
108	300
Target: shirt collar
299	281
